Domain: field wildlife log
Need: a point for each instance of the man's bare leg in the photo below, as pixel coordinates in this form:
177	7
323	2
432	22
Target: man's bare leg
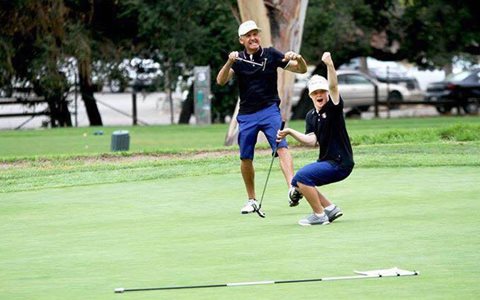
313	197
286	164
248	174
323	201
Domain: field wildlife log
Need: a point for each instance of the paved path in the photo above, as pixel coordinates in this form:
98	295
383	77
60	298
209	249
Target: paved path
115	109
152	109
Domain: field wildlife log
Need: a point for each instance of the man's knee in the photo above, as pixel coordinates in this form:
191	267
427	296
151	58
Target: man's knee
247	163
283	152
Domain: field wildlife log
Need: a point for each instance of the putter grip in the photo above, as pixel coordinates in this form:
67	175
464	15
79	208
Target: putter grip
281	128
275	154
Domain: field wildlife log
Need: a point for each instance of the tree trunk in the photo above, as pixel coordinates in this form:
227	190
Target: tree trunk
65	117
168	89
187	108
364	65
448	69
59	113
86	90
232	133
287	18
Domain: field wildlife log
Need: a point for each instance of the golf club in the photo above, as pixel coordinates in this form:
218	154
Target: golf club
393	272
258	210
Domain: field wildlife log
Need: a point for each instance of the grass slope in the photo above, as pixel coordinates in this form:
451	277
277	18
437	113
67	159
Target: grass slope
81	242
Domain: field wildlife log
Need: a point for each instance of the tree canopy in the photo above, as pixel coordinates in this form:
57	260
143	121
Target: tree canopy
429	33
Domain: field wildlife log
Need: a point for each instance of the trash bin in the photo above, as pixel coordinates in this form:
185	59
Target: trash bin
120	140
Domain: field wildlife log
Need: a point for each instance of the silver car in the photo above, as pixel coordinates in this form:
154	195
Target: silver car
358	90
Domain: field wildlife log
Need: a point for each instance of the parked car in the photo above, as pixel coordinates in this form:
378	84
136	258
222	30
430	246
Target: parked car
138	73
397	76
358	90
462	89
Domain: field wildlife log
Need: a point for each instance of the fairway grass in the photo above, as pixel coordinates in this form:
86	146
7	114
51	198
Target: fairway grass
82	242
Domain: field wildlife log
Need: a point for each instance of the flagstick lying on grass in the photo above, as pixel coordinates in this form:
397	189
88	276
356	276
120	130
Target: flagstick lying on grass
393	272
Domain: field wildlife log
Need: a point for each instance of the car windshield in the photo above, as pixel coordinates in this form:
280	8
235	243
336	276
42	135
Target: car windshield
354	79
458	76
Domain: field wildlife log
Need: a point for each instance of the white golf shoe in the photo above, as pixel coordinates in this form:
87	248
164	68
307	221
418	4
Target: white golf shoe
334	213
313	219
249	207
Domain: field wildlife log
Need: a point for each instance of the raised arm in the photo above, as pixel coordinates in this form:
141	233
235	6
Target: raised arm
296	63
226	72
306	139
332	77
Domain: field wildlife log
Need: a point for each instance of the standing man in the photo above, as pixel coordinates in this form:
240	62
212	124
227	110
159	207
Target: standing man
325	126
256	71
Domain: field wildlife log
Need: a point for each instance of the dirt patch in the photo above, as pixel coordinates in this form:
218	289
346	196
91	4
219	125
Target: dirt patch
112	158
128	158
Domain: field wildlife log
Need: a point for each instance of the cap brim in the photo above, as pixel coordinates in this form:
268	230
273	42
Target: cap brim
258	29
320	87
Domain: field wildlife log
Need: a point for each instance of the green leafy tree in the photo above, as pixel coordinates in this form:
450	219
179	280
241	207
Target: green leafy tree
183	34
36	36
31	44
437	32
98	31
429	33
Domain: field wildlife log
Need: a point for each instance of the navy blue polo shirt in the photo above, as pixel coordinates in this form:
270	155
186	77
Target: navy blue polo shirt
329	127
258	84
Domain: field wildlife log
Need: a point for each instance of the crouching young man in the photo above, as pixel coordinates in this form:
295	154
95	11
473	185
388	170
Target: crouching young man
325	127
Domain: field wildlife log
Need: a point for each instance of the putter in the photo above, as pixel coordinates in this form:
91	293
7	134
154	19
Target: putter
258	210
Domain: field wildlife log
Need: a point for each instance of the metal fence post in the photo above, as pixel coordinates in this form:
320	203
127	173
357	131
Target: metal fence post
134	107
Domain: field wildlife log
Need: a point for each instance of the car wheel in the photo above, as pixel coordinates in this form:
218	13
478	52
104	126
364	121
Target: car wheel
395	97
363	108
354	113
444	109
471	107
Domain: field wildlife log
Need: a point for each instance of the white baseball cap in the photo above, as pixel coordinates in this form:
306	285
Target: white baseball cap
317	82
246	27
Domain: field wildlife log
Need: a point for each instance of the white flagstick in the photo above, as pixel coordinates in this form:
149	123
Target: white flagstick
249	61
393	272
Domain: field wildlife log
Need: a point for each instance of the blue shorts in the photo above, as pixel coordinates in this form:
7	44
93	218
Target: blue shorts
320	173
267	120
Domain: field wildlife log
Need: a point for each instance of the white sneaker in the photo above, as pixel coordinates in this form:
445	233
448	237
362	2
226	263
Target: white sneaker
250	206
314	220
334	214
